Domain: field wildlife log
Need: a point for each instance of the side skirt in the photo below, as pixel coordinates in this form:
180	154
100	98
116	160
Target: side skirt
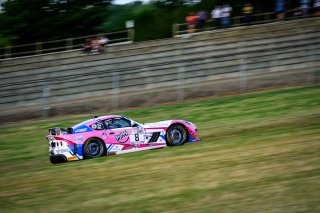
139	149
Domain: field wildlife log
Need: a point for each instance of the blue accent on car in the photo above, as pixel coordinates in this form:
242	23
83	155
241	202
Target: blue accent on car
71	151
191	139
81	129
110	147
196	139
79	149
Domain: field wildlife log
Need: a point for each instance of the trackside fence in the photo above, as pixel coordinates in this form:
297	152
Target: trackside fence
148	73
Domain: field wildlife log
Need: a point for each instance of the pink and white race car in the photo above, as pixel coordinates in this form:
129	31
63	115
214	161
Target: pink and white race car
112	134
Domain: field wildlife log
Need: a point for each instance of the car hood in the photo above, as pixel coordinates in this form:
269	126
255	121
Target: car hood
159	124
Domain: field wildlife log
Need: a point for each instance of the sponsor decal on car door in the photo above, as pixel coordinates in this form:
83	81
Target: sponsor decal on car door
119	136
127	136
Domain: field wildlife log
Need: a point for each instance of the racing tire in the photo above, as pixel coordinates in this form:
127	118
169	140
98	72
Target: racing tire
93	148
176	135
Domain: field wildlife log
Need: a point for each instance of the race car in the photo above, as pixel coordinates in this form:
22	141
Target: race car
114	134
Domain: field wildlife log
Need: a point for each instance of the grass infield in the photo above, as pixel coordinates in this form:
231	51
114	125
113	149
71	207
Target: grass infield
259	153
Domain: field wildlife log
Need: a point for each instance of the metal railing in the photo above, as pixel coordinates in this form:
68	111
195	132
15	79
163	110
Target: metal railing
261	18
124	83
61	45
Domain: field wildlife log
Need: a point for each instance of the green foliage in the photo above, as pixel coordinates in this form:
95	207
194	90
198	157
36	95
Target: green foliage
6	40
151	23
38	20
173	3
26	21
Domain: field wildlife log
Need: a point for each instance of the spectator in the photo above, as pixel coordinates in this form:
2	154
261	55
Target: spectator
202	17
87	46
191	21
102	41
95	47
216	15
304	6
280	9
226	11
316	6
247	12
91	46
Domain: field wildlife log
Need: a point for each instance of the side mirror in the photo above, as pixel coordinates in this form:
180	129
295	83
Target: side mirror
135	125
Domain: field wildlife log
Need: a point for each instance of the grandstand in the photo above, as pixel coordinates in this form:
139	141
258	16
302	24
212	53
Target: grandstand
145	73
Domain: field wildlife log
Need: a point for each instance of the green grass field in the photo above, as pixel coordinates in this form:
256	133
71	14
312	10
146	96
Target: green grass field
260	152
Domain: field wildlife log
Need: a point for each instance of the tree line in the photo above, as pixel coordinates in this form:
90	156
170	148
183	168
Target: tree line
29	21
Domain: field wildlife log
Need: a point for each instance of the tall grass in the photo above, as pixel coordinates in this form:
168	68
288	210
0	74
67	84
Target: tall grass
259	153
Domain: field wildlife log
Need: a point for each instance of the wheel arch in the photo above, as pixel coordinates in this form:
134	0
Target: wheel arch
95	137
183	126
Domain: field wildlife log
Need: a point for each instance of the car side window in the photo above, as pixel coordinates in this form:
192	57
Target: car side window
108	123
116	123
97	126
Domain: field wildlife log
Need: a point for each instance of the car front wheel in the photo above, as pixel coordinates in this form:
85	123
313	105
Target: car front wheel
176	135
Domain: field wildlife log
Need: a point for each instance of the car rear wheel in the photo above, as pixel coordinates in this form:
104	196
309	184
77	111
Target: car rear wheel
93	148
176	135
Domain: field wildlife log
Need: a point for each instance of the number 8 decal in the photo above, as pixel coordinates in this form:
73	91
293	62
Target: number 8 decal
136	137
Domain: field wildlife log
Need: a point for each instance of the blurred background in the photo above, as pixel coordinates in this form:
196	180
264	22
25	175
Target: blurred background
55	53
44	20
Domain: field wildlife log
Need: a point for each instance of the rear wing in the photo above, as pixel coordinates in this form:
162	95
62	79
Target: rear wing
60	131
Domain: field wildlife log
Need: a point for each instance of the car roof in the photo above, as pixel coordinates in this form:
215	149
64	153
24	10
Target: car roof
108	117
88	122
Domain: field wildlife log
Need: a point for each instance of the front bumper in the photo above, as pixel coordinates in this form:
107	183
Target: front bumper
193	135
